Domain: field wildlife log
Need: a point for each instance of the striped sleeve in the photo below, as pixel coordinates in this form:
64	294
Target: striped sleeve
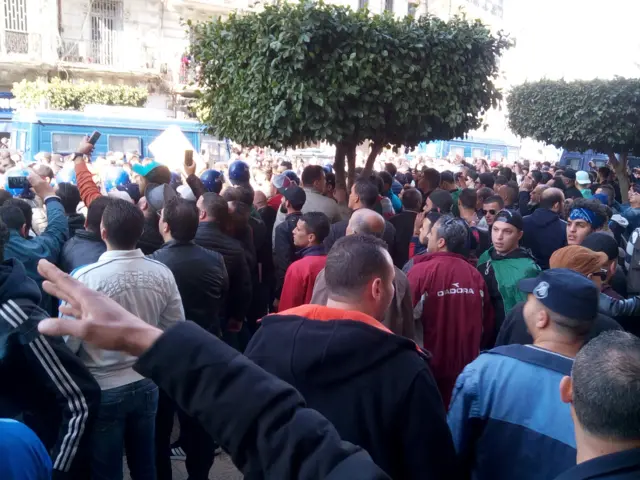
51	363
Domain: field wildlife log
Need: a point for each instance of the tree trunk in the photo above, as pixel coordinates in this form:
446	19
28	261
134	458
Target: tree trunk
351	163
620	167
338	166
376	148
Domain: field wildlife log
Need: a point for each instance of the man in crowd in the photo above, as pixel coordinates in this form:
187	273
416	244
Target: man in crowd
586	216
505	264
485	180
86	245
490	208
202	281
43	382
569	180
506	413
147	289
544	231
583	181
314	182
308	237
284	251
396	186
428	182
69	196
399	316
403	222
449	295
579	259
602	242
375	387
603	392
509	194
480	240
214	220
30	250
439	200
364	194
387	182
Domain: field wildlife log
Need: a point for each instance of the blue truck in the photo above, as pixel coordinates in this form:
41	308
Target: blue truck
132	130
471	147
580	160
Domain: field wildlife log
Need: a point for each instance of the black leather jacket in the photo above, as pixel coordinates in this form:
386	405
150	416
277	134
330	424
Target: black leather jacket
629	307
210	236
202	280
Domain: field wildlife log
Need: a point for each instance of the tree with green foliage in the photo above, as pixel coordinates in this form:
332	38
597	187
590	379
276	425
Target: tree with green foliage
299	73
601	115
63	95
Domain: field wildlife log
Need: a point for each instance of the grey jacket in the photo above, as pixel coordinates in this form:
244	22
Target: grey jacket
143	287
399	315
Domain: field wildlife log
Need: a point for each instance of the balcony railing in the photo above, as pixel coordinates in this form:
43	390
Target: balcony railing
113	53
22	44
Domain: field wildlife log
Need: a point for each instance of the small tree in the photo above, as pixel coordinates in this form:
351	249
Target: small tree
299	73
602	115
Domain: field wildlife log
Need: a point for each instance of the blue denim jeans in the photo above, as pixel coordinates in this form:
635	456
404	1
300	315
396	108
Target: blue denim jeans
126	422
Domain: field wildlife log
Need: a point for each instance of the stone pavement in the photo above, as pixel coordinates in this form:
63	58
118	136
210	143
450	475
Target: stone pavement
222	469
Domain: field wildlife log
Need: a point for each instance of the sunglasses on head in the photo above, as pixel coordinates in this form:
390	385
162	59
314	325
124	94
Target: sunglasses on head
602	274
492	212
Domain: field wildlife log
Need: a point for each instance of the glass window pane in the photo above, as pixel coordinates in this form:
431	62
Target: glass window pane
65	143
124	144
478	152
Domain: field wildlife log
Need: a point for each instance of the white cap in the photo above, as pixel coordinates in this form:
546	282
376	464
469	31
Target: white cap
185	192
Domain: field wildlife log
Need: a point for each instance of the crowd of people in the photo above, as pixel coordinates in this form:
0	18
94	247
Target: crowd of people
438	320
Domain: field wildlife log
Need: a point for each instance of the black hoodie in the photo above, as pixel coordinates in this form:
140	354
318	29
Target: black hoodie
375	387
42	381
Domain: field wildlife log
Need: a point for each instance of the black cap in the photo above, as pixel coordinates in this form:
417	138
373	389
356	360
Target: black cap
511	217
601	242
564	292
569	173
294	194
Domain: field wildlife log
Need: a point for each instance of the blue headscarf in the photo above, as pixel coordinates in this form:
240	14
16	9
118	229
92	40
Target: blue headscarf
587	215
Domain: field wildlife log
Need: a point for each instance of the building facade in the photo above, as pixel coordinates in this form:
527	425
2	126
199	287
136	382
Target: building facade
134	42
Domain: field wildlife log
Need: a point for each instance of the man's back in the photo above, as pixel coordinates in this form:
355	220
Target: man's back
544	233
211	237
202	280
82	249
143	287
452	299
373	386
506	416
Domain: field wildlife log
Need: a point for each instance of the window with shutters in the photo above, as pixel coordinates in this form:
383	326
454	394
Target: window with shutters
363	3
388	5
106	29
16	36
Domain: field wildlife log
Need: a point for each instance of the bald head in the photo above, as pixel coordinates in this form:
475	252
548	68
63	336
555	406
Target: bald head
259	199
551	197
366	222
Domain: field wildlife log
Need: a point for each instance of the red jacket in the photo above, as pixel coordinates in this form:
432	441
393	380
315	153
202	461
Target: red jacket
453	302
300	278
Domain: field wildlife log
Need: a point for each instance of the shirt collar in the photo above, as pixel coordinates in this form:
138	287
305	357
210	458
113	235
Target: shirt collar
599	467
117	254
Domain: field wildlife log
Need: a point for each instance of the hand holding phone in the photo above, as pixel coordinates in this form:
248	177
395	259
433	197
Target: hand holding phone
189	164
94	137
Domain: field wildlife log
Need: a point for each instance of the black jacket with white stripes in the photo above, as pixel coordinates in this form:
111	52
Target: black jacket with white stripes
42	383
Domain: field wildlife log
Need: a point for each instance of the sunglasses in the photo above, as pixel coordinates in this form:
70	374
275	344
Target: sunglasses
492	212
602	274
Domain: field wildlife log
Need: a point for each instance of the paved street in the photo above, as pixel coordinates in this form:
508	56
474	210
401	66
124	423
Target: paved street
222	469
